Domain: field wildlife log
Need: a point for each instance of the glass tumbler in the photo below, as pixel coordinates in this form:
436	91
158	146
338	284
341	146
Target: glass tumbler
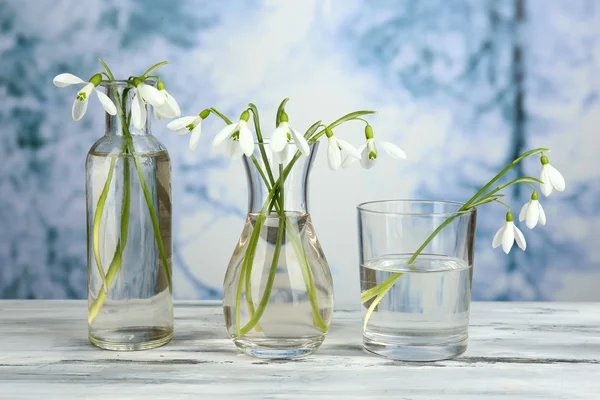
416	268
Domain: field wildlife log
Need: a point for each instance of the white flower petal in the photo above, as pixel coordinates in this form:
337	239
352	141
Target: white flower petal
546	187
279	137
556	178
66	79
107	103
519	238
79	109
181	123
234	150
246	139
348	160
195	137
523	212
542	214
334	154
365	161
172	103
151	95
498	237
393	150
280	156
508	237
138	111
348	148
533	214
80	106
224	133
301	143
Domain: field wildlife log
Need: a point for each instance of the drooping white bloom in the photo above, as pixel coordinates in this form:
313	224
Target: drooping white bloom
369	150
334	151
532	212
144	94
243	137
81	100
553	180
279	157
508	234
191	124
279	138
170	109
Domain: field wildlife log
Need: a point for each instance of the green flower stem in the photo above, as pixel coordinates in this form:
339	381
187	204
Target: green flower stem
117	261
383	287
308	278
271	278
153	217
249	258
275	196
98	220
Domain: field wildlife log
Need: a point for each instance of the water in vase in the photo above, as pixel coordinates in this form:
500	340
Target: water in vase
425	315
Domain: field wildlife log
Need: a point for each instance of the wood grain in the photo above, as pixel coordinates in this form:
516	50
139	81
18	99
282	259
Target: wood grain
516	351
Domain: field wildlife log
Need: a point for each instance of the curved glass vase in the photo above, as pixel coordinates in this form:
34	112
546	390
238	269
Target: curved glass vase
128	186
278	291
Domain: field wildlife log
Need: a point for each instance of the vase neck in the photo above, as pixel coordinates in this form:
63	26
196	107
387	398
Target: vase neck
295	193
115	124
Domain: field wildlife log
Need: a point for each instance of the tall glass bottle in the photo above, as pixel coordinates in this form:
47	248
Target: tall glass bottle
128	187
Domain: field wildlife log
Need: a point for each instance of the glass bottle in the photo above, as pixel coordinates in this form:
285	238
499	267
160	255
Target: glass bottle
128	191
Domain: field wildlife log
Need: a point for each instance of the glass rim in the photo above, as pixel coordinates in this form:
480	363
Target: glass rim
123	83
362	207
291	141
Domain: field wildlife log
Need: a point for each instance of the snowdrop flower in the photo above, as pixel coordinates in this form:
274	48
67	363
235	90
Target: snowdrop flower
192	124
282	134
81	100
507	235
170	109
369	150
144	94
532	212
239	133
551	177
334	150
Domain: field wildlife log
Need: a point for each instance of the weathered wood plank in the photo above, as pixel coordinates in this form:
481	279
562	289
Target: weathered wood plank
516	350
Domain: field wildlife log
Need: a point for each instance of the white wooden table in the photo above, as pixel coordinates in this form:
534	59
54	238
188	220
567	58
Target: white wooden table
516	351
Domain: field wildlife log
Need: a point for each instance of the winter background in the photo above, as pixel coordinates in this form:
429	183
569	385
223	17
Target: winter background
463	86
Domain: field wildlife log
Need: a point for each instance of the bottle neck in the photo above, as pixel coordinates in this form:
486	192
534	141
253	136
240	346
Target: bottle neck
122	123
295	187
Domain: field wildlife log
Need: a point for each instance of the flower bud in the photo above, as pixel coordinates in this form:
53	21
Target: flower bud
204	114
544	160
245	116
328	132
160	85
534	195
96	79
369	132
509	217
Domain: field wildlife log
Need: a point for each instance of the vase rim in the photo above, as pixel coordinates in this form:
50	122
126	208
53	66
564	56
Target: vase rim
372	207
123	83
291	141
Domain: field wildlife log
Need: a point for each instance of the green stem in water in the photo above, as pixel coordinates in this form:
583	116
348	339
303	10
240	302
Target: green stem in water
383	287
117	261
98	221
271	278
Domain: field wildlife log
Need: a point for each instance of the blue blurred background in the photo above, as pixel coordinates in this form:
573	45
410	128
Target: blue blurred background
463	86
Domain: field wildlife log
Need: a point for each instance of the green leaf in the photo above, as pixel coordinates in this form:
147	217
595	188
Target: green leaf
280	110
313	128
256	119
223	117
107	71
152	68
